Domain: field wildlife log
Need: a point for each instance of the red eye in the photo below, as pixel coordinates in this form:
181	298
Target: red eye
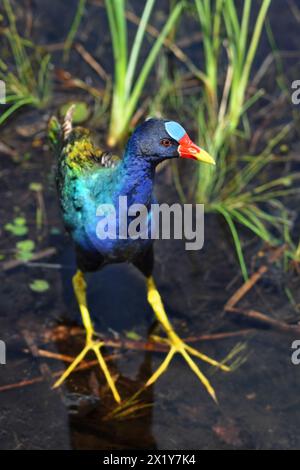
166	142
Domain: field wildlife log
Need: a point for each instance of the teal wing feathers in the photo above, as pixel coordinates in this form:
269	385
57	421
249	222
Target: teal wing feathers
82	171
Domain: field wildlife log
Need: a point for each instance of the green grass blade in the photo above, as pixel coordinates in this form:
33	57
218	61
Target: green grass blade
74	28
15	107
244	31
143	75
138	40
254	42
236	240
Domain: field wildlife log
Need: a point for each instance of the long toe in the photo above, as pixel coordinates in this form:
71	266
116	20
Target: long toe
104	368
203	379
180	347
71	367
162	368
96	348
207	359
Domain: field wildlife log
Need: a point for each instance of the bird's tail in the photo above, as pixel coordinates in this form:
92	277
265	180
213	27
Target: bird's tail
58	134
68	123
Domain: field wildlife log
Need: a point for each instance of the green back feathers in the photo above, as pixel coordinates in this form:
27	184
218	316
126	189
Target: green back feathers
79	150
74	147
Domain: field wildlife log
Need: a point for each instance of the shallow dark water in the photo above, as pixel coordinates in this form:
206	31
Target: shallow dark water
258	402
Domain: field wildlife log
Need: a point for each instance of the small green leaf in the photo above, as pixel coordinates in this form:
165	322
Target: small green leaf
24	255
132	335
17	227
20	221
81	112
39	285
25	249
18	230
36	187
26	245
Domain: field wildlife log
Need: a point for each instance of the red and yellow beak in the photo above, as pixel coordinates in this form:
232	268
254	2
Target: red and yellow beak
187	149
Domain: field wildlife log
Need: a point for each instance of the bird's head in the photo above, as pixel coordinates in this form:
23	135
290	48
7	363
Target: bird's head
158	140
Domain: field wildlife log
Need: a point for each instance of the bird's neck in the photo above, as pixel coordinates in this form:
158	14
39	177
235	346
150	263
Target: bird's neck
136	178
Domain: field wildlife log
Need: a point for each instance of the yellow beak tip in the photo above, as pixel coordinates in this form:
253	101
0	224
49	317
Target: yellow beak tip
205	158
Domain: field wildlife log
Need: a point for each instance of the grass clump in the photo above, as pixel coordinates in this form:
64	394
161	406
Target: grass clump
28	77
130	74
234	188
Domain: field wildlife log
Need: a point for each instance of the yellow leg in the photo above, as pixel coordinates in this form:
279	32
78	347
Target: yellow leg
176	343
79	285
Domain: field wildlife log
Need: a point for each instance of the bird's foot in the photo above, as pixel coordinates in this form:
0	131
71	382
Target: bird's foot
177	345
94	346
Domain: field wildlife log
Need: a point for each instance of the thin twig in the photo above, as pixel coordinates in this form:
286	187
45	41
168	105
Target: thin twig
265	320
6	150
57	46
47	265
69	81
14	263
25	383
251	314
53	355
217	336
89	59
62	333
247	286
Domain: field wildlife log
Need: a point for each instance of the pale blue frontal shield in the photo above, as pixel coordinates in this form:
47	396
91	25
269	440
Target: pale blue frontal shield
175	130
